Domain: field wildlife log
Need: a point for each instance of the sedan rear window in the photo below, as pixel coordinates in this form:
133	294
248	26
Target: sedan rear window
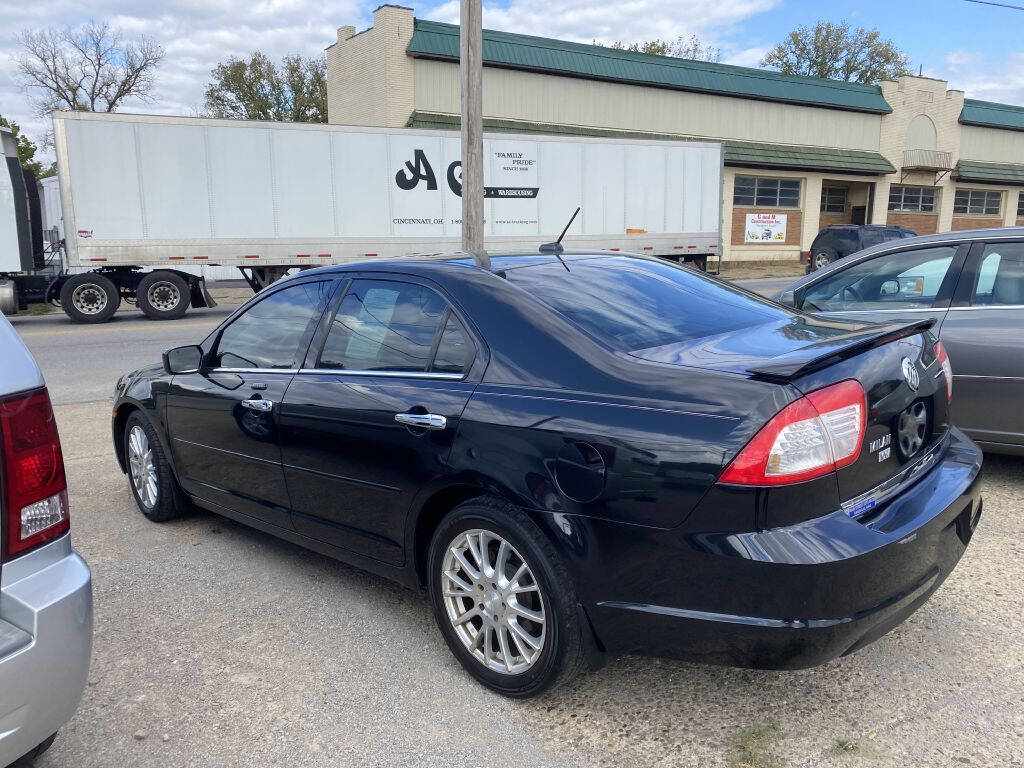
633	304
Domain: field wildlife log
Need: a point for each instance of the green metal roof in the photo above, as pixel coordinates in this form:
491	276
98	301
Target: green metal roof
807	158
992	115
991	173
737	153
433	39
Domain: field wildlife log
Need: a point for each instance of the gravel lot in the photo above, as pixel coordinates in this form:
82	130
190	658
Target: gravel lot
217	645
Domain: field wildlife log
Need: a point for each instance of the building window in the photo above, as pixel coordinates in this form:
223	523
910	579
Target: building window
912	199
755	191
977	202
833	199
1020	205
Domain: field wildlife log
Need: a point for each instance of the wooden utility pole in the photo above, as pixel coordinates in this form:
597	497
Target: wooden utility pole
471	74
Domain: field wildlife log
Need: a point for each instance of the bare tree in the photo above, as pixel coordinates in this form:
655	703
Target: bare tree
91	69
683	48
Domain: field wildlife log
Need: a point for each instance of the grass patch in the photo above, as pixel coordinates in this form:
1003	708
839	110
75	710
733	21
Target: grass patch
844	747
755	748
39	309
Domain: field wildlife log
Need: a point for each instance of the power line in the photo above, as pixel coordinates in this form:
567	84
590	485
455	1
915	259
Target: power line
1001	5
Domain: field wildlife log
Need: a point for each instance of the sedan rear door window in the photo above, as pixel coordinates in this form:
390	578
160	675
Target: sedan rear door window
393	326
1001	276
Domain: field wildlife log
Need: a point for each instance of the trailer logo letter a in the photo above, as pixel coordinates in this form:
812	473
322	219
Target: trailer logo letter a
416	171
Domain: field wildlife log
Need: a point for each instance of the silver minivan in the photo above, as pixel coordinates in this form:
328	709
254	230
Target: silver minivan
45	585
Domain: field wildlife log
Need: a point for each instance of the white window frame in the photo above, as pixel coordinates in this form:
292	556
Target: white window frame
766	183
901	206
977	202
829	197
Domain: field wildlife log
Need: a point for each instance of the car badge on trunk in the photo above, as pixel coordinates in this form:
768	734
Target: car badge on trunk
910	374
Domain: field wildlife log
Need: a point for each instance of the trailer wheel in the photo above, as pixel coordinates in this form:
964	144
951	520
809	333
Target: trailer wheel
89	298
163	296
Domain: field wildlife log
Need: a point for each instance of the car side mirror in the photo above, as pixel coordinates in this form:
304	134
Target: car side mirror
788	298
187	359
889	288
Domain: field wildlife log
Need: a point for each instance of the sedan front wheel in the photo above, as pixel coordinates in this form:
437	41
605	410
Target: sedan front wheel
150	477
503	599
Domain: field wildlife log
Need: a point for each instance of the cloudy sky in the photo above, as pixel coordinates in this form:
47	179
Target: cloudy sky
976	47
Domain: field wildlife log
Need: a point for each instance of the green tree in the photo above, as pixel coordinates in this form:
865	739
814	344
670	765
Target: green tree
258	89
683	48
27	151
838	52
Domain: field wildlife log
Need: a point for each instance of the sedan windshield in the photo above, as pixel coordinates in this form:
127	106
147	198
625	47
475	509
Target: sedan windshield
635	304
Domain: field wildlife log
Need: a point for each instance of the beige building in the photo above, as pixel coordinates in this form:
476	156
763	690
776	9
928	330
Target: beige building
807	152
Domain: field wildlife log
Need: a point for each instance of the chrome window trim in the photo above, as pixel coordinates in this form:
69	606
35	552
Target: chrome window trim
875	311
438	375
253	370
990	378
987	306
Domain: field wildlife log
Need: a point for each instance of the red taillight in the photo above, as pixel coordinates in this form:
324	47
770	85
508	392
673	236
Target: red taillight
947	370
810	437
31	472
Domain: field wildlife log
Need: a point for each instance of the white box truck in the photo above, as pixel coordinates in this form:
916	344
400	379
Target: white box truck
143	196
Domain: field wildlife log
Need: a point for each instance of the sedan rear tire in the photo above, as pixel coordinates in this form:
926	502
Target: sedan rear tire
503	599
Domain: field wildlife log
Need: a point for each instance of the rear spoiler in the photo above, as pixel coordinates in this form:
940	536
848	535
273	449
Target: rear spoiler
801	361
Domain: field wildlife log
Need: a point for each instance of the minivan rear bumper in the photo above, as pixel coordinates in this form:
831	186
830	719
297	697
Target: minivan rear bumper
46	621
795	596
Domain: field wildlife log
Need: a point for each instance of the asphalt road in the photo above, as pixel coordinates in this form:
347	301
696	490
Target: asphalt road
767	285
81	363
217	645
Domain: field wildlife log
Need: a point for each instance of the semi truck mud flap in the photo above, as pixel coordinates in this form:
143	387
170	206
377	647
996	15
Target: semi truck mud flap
200	296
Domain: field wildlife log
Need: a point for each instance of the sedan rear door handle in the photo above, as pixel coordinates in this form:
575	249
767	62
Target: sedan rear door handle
422	420
258	404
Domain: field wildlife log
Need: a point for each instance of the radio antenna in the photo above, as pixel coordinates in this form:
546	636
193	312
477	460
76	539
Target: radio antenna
556	247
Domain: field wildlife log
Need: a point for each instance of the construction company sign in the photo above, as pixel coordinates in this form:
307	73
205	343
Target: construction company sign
428	187
765	228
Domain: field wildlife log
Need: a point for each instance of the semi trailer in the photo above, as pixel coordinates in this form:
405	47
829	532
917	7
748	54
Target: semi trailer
147	200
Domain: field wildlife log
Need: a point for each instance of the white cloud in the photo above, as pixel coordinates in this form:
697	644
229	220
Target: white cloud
748	57
629	21
980	76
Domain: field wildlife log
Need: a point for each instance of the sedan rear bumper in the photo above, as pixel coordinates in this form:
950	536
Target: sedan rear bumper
798	596
45	644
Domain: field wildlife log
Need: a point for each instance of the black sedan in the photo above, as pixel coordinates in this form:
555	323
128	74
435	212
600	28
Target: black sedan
575	455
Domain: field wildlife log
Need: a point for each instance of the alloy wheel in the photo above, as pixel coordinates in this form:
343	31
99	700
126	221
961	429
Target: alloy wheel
494	602
142	467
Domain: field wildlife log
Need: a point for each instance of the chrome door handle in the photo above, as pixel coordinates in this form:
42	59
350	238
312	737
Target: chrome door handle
258	404
422	420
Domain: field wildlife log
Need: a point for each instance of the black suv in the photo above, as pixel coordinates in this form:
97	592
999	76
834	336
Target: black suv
841	240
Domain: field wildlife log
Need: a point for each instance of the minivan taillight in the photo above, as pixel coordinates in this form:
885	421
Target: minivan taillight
812	436
31	472
947	370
